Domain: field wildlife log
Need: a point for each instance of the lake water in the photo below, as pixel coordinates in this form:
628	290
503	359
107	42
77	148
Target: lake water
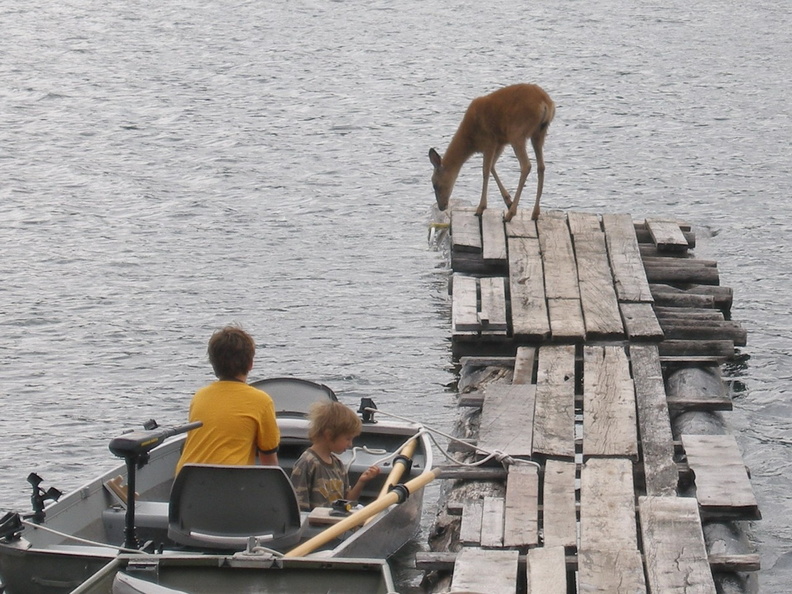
167	168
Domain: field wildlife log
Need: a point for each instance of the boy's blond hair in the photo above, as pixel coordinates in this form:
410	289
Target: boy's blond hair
334	418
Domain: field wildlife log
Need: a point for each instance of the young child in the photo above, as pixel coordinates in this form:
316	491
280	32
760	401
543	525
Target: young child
319	476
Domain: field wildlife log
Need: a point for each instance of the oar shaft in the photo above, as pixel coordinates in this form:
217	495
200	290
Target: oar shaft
399	466
361	516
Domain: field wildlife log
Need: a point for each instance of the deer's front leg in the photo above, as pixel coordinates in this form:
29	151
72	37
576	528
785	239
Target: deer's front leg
486	167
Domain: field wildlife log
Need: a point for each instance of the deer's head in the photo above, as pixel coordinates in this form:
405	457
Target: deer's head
442	180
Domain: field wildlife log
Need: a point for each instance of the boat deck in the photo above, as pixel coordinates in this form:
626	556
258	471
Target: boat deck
599	340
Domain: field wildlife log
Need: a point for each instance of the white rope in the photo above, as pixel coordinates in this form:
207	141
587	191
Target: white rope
374	452
498	455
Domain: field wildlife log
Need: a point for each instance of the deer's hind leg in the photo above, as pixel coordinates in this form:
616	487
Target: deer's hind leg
525	168
537	140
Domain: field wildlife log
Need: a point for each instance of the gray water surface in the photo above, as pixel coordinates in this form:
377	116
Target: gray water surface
166	168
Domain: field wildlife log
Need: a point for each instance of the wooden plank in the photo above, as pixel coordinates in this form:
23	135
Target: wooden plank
507	419
640	322
597	294
657	440
554	411
479	570
493	235
723	488
667	235
492	522
521	225
465	230
607	505
470	526
583	222
546	571
464	304
609	417
566	319
559	516
521	511
526	284
558	256
493	304
625	259
524	365
674	548
611	572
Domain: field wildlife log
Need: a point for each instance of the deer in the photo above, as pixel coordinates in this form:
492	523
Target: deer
509	116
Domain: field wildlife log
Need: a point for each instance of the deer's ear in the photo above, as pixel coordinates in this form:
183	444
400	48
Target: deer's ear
435	158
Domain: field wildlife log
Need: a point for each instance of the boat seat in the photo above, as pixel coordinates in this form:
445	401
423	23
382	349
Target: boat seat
221	507
151	518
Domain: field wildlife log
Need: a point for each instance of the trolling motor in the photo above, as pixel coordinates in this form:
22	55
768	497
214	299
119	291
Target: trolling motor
366	410
134	448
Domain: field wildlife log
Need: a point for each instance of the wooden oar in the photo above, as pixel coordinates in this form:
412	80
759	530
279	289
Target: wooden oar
362	515
399	466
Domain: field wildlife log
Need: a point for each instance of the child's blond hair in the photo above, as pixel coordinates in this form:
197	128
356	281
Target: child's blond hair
334	418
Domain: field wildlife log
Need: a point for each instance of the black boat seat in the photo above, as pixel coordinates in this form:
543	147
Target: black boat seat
221	507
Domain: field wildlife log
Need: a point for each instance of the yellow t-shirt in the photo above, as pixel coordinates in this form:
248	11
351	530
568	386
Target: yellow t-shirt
238	420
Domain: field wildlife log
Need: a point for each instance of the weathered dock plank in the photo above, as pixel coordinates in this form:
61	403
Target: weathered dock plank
465	230
657	441
610	572
674	549
667	235
723	488
526	285
546	571
625	259
464	304
554	416
640	322
493	236
559	520
597	294
581	223
481	570
609	417
492	517
470	526
492	316
521	511
555	243
521	226
507	419
524	365
607	505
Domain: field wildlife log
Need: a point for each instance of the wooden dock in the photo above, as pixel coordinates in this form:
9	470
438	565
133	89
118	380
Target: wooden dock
590	350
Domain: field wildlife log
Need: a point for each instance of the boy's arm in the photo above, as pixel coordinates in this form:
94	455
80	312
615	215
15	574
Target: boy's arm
354	493
268	459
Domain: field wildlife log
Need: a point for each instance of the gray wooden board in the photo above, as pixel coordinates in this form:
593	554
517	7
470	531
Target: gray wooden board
559	521
566	319
721	478
583	222
625	259
609	416
493	303
493	235
470	526
561	282
611	572
507	419
597	294
526	285
464	304
521	225
607	505
465	230
673	544
667	235
478	571
546	572
657	440
554	411
492	522
640	321
521	511
524	365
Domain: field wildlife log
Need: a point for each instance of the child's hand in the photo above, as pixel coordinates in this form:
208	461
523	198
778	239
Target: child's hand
370	473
